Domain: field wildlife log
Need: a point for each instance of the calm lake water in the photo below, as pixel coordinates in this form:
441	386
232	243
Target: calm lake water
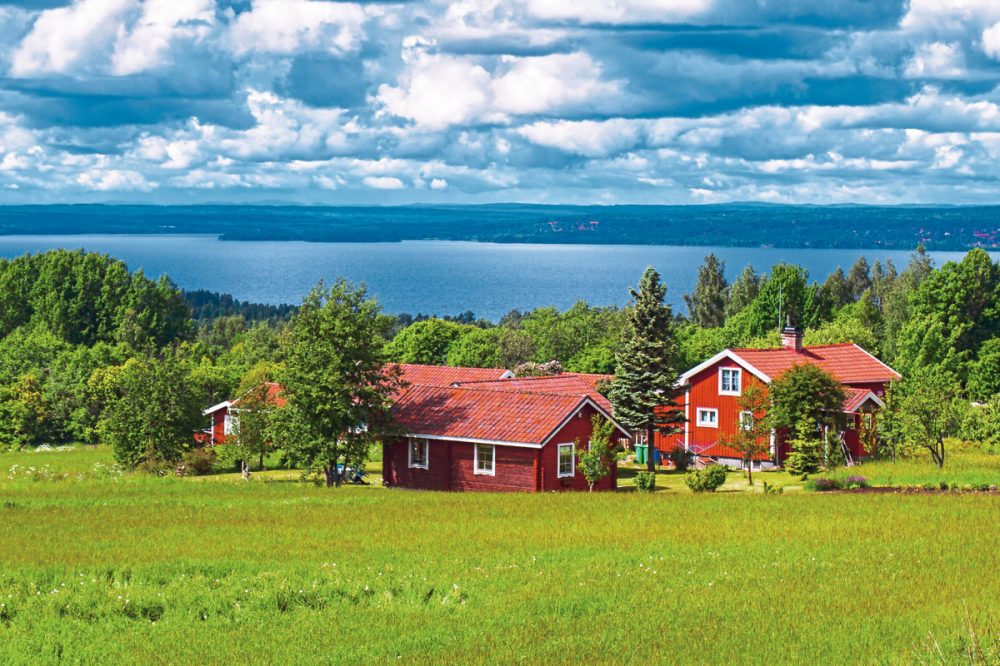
436	277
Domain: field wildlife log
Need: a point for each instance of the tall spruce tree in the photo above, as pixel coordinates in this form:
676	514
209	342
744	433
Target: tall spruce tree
645	390
707	305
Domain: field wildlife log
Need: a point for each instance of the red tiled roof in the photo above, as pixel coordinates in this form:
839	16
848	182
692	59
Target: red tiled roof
855	398
569	383
275	395
441	375
483	414
848	363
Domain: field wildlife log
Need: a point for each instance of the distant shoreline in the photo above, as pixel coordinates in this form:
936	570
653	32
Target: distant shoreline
946	228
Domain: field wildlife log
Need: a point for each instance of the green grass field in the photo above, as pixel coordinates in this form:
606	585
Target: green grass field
100	568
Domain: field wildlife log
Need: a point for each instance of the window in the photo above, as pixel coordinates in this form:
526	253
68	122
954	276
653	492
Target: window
567	460
729	381
708	418
746	420
418	453
484	459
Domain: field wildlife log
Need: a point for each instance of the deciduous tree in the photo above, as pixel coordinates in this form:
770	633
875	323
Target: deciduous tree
337	380
707	305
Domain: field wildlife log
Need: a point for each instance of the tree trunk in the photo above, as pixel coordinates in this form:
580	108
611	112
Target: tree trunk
750	472
262	460
330	474
649	449
245	470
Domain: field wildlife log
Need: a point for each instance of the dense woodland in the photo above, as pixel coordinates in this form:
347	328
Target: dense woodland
731	225
91	352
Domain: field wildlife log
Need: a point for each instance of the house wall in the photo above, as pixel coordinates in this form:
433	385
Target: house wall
704	393
219	425
451	465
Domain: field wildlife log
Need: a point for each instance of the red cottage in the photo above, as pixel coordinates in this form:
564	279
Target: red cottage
497	435
713	389
222	416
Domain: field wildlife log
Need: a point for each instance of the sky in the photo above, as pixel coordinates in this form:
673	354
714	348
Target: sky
477	101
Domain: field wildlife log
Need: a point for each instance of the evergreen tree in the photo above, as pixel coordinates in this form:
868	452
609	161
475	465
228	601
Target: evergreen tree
645	390
707	305
743	292
859	278
883	280
896	305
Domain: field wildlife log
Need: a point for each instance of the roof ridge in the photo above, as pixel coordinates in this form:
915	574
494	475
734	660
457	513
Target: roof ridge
482	389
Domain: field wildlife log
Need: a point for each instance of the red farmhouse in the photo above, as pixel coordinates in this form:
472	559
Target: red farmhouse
466	432
713	391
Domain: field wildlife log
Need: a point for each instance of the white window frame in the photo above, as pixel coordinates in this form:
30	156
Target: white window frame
746	419
409	453
572	460
492	471
739	381
702	423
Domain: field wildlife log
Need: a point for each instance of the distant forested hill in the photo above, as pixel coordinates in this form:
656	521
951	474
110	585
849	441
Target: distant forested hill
744	225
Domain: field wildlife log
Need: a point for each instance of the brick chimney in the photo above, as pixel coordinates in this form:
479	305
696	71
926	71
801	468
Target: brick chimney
791	337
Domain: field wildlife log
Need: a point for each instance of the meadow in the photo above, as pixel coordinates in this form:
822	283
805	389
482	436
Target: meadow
98	566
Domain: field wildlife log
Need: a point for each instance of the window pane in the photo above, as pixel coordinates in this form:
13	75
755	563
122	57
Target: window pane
484	458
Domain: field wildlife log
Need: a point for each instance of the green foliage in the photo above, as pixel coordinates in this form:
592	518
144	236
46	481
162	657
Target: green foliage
984	372
197	462
785	290
595	460
806	456
743	292
954	311
497	347
706	480
859	279
426	341
581	337
645	481
928	409
982	424
336	380
707	305
806	393
645	390
148	413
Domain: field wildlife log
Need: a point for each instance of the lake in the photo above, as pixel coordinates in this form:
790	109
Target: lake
437	277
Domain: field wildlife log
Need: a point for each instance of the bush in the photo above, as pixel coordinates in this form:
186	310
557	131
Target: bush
855	481
771	489
198	462
645	482
706	480
823	484
681	458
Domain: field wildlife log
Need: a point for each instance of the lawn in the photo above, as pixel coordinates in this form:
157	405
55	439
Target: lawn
95	567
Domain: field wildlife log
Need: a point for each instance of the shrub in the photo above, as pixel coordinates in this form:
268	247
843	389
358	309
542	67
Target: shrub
706	480
805	457
198	462
645	482
855	481
823	484
681	458
771	489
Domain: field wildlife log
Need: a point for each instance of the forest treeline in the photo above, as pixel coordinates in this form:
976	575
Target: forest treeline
730	225
91	352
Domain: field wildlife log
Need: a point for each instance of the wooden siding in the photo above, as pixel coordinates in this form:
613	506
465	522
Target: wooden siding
451	464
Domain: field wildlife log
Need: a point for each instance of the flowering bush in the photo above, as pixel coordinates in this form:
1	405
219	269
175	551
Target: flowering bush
855	481
823	484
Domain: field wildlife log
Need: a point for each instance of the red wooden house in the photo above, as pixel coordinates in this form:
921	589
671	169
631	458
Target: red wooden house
502	434
713	390
223	414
